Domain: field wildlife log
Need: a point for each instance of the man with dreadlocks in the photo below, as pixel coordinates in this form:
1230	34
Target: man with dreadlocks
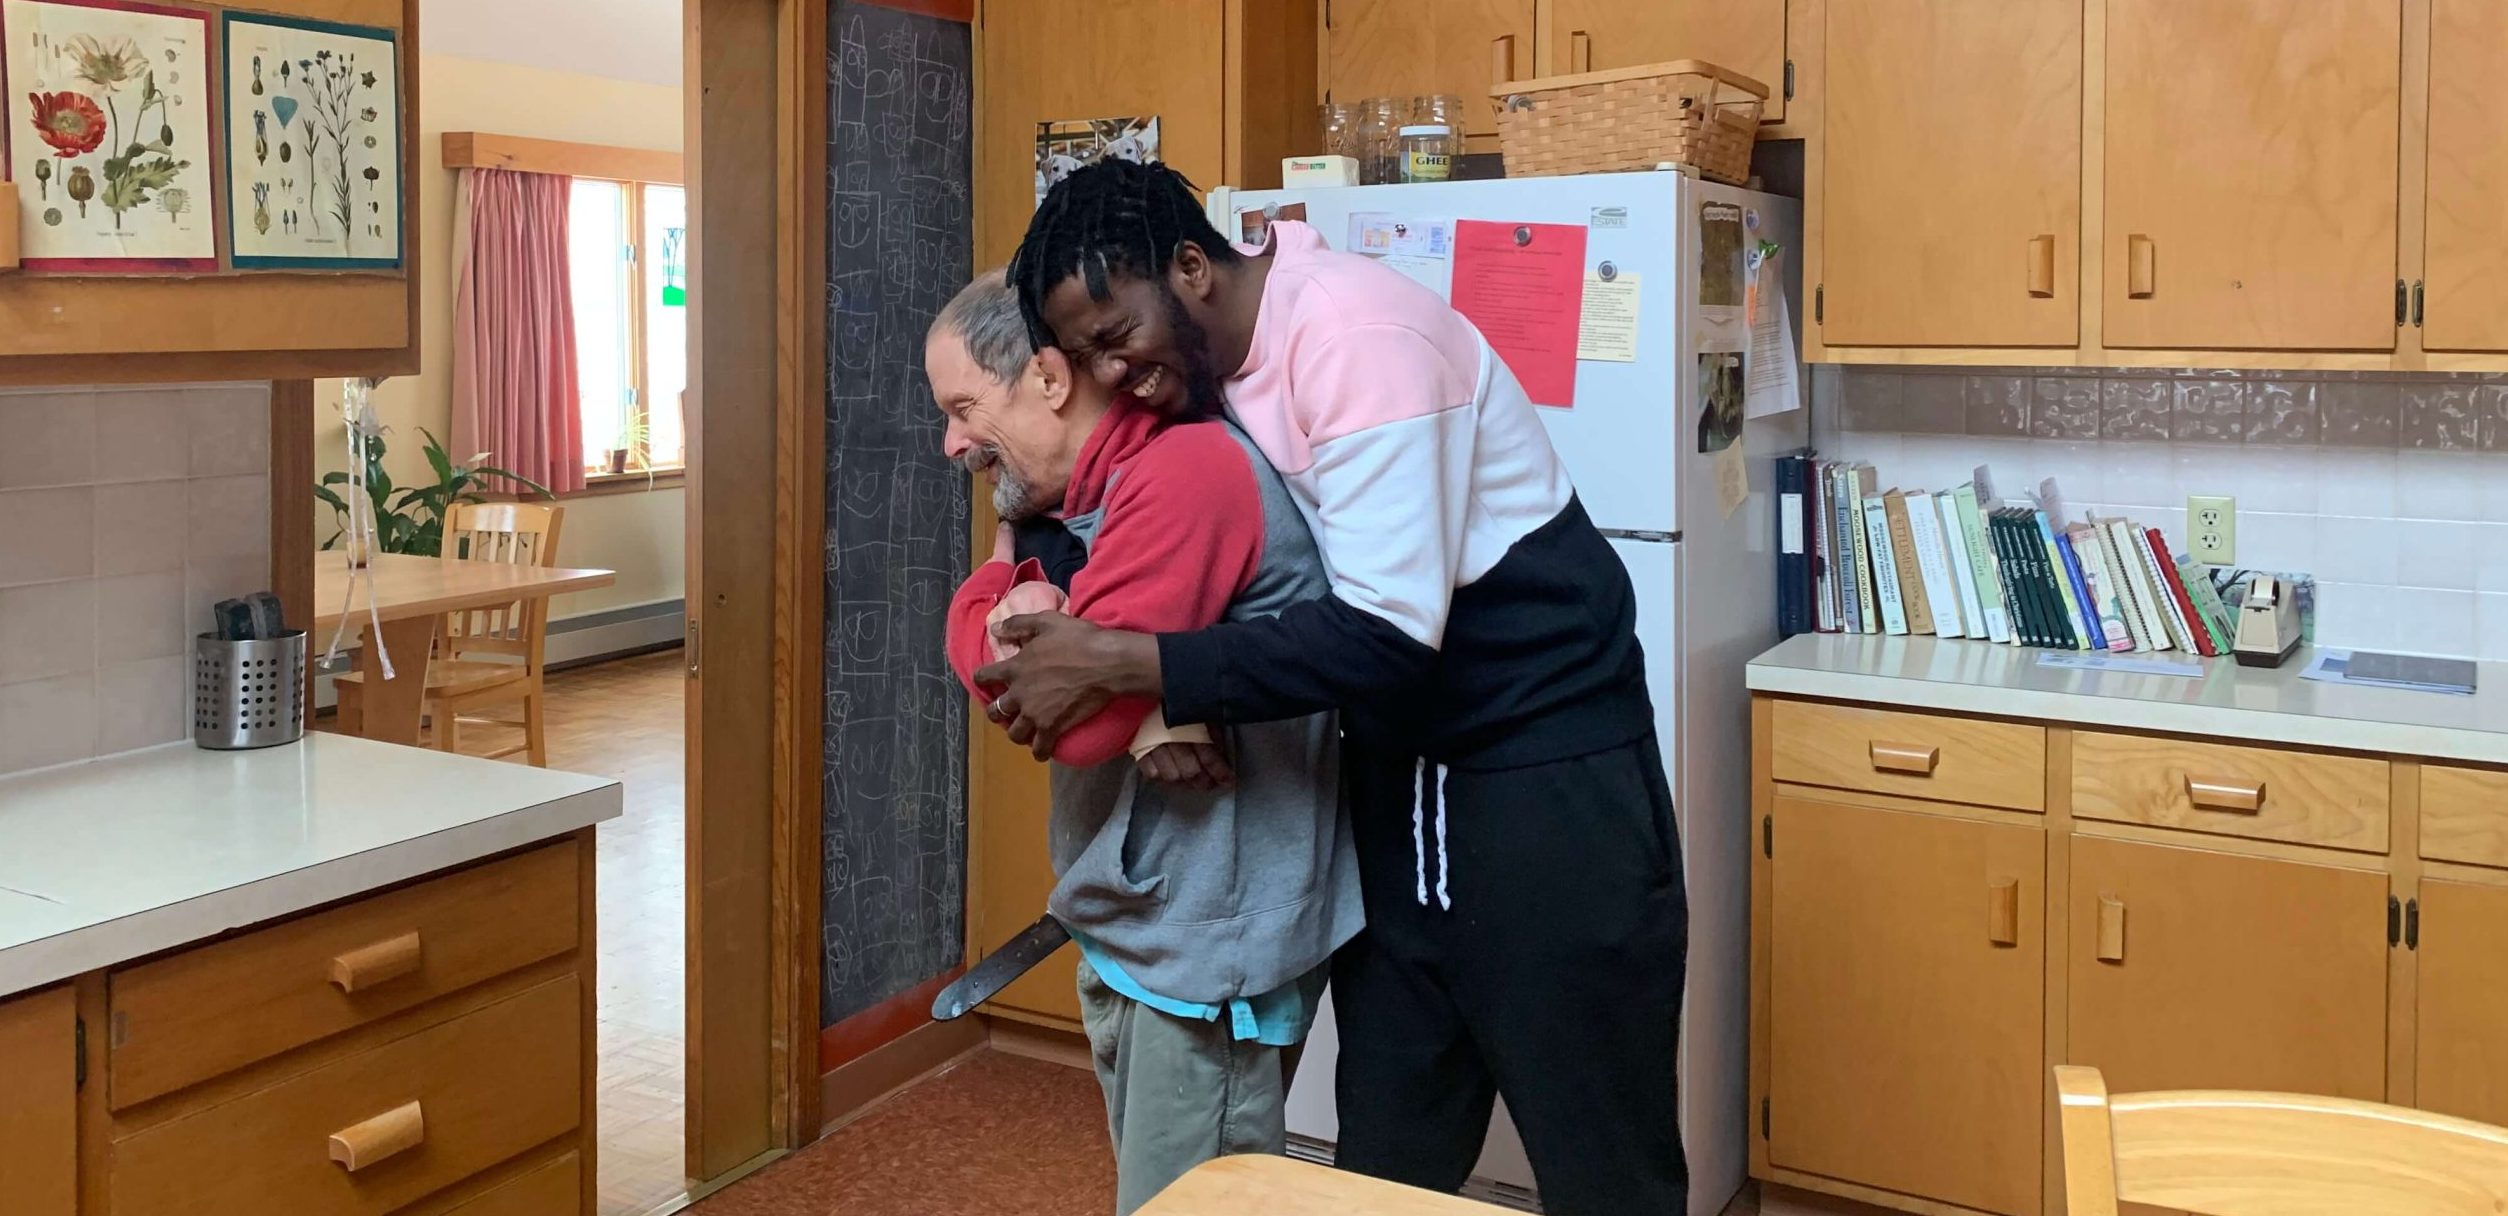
1526	922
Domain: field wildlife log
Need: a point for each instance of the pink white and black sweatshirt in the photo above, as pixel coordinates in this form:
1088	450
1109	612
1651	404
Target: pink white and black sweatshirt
1477	618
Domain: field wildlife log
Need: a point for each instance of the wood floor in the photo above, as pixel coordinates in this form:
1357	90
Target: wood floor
625	719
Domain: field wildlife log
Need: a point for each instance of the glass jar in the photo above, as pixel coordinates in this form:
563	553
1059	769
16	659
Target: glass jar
1427	152
1380	140
1341	129
1438	109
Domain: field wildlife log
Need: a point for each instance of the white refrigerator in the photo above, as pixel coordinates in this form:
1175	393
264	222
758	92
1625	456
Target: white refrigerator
1705	578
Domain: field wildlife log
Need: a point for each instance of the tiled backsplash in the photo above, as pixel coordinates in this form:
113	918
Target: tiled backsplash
124	513
2391	490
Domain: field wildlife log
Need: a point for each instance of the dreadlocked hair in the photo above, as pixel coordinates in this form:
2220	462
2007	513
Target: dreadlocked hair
1111	218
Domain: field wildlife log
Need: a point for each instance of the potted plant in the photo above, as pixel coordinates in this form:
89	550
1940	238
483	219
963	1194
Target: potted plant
410	519
633	450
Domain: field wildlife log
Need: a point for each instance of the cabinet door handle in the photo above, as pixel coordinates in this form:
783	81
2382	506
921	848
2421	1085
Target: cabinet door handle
2003	912
1502	59
1580	51
2226	796
2042	266
2111	929
385	1136
1902	758
367	966
2140	266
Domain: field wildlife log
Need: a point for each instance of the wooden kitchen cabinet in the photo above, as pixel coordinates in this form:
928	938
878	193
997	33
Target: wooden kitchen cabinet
1949	195
2251	175
2461	1067
1404	48
1905	1000
2191	969
2194	902
39	1046
2466	243
1747	36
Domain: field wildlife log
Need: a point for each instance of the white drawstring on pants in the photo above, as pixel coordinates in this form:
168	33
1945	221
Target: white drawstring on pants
1427	790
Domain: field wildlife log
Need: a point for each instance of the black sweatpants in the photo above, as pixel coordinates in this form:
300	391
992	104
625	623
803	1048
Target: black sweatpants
1548	971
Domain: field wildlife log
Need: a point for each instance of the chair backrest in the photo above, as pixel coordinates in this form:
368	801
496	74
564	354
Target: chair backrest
519	534
2240	1153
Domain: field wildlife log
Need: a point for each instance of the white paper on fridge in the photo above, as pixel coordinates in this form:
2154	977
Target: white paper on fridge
1774	386
1607	328
1420	250
1378	233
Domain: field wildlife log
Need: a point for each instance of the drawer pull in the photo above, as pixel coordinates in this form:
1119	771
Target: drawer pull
2042	266
1900	758
368	966
2111	929
381	1138
2226	796
2003	912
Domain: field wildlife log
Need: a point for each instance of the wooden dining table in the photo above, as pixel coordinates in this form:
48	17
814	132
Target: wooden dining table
1279	1186
411	595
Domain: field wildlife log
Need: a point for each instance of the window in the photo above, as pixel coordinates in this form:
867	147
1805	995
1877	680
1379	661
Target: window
629	261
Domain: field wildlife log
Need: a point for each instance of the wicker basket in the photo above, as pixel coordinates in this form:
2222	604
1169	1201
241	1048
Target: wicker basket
1687	112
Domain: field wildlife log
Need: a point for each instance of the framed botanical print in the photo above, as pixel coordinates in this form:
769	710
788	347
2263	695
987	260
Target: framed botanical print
313	144
107	136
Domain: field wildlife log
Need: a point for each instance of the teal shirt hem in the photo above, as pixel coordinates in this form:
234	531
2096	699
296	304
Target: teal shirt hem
1278	1018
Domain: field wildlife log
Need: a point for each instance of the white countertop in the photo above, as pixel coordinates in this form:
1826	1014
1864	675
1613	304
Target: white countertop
2264	705
108	861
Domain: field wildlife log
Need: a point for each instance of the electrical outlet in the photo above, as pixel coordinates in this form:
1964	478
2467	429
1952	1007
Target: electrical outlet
2212	529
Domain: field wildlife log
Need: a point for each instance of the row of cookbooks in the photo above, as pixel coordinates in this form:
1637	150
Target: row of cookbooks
1856	558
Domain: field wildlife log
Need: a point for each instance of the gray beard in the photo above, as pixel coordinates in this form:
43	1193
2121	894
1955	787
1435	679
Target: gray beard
1011	492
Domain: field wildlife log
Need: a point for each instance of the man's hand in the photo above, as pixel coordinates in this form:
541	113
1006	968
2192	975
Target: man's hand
1065	671
1200	766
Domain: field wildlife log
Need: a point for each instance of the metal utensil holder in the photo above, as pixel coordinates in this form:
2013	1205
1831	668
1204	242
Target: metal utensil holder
248	694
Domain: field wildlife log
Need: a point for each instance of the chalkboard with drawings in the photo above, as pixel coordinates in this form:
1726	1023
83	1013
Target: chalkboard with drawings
900	243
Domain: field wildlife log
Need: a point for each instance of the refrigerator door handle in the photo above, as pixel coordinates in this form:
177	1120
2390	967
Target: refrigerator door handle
1659	538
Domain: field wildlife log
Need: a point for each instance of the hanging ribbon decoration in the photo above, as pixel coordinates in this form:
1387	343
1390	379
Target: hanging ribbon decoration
357	413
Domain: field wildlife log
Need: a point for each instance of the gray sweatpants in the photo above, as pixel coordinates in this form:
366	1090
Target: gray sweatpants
1179	1092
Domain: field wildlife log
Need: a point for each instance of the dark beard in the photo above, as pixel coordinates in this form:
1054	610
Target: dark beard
1202	397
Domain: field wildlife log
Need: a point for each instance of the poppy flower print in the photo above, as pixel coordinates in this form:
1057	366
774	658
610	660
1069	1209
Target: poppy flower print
70	123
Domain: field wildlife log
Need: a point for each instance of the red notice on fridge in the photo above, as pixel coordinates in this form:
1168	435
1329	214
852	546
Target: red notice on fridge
1523	285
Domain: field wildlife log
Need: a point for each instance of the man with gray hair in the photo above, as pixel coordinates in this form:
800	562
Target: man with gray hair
1206	902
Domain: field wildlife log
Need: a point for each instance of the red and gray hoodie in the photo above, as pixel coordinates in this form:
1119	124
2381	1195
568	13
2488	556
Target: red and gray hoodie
1201	896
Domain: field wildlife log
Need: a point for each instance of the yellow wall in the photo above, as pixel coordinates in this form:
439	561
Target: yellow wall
642	536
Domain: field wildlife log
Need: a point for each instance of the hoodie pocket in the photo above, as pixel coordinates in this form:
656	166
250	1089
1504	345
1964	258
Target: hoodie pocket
1110	880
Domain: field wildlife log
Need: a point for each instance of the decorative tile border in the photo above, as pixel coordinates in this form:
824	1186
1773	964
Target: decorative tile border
2435	412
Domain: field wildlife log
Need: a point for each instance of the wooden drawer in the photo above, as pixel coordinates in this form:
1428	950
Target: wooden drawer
186	1018
2464	815
1917	755
486	1086
2299	797
547	1190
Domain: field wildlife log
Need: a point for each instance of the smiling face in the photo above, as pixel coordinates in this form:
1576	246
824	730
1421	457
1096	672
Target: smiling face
1023	434
1006	432
1143	339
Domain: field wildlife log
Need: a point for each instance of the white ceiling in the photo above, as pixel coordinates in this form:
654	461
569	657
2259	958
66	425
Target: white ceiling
621	39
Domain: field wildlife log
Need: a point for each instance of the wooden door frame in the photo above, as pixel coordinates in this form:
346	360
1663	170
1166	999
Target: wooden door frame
756	101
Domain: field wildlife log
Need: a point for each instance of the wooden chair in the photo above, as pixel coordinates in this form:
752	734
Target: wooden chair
1278	1186
488	657
2237	1153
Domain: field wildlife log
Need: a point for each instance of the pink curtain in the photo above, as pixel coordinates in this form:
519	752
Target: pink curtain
514	389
